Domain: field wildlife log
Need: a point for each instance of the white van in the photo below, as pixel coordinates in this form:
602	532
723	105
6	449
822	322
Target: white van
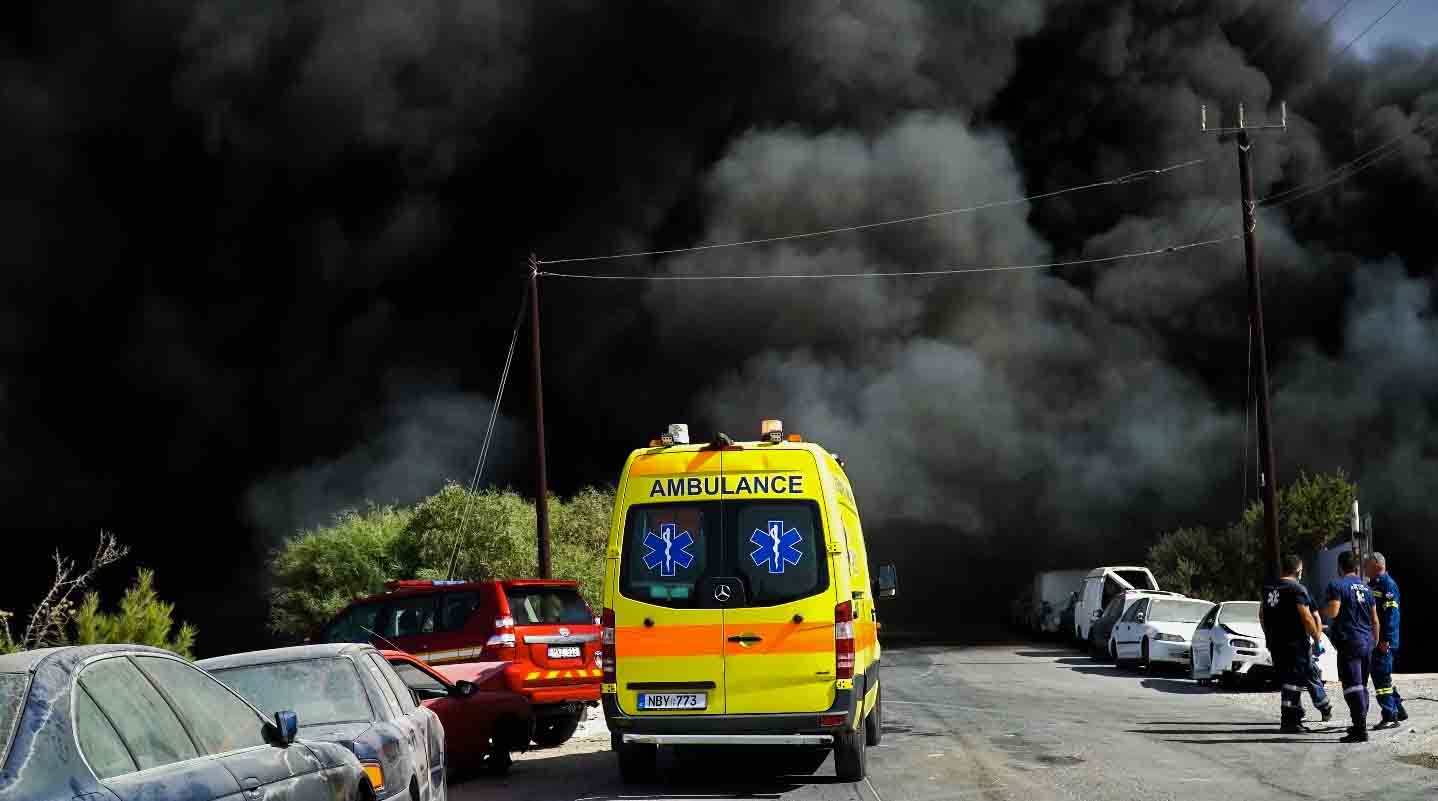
1100	586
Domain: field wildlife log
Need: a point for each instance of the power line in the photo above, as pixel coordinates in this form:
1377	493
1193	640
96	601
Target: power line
488	435
1344	171
1122	179
1355	39
897	273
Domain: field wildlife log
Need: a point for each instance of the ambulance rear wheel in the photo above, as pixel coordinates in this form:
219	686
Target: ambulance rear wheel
850	757
874	723
637	761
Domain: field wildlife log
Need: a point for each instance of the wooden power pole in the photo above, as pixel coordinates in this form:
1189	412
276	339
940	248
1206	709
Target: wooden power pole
1268	478
541	492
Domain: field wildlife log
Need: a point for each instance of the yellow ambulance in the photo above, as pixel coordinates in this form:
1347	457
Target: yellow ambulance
738	608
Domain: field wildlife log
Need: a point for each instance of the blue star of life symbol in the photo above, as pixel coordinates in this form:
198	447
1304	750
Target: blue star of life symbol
666	549
778	546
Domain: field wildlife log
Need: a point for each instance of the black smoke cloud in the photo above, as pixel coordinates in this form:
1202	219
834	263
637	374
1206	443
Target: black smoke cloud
233	225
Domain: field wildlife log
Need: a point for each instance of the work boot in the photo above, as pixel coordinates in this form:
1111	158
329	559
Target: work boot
1294	728
1355	735
1327	713
1402	713
1386	723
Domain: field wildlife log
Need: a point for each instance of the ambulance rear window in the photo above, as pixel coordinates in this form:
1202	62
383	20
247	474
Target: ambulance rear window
668	547
779	551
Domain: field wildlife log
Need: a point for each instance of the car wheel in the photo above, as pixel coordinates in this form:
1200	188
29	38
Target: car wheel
1143	656
637	761
498	763
550	732
850	756
874	723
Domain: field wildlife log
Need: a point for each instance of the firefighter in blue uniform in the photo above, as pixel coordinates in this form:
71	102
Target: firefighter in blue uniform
1349	603
1289	626
1385	597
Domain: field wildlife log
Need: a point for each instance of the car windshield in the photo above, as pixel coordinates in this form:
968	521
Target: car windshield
12	700
533	606
1239	613
1138	578
1179	611
319	691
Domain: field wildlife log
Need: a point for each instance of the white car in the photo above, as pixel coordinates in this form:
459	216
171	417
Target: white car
1229	644
1157	630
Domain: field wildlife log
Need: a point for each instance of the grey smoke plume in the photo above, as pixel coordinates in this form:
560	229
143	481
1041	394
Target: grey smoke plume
425	437
1104	403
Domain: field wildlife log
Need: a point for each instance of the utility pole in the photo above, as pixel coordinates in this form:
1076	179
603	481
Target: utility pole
1268	478
541	492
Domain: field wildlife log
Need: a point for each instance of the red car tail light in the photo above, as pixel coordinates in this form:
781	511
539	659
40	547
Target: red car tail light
502	641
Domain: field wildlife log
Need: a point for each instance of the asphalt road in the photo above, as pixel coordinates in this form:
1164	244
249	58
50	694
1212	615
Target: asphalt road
1016	722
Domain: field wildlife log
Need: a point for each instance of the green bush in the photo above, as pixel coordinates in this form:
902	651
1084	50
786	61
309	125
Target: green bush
1227	564
143	619
318	571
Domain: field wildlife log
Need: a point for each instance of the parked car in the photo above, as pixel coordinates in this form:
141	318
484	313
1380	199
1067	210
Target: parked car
1052	591
1100	644
1066	618
348	694
1229	646
481	726
1158	631
129	722
1101	585
543	628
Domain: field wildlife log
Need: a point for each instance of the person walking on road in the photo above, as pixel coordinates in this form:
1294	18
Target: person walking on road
1290	628
1349	604
1385	598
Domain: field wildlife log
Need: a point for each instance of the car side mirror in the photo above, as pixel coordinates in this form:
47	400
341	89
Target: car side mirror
284	730
888	581
462	689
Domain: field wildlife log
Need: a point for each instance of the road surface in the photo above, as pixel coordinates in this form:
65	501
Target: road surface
1025	722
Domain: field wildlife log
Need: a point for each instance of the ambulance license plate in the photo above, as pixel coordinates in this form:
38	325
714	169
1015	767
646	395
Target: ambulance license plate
650	701
565	652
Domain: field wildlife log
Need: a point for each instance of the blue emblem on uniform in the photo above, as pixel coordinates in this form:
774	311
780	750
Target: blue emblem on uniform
778	546
666	549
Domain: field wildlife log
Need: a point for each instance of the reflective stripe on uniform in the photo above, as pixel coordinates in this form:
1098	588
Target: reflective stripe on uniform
1384	691
1352	690
1293	688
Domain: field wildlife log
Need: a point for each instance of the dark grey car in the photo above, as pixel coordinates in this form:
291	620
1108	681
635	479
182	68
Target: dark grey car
348	694
127	722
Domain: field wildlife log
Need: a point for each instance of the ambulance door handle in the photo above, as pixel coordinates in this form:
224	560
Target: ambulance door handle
742	638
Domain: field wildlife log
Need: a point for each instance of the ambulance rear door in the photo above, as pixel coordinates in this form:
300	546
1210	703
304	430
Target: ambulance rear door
779	654
668	633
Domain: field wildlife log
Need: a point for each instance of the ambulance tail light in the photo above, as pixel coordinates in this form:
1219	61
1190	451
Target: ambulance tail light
606	644
844	640
502	641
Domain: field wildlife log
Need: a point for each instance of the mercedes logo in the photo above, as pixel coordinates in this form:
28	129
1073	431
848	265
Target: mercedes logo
563	632
722	593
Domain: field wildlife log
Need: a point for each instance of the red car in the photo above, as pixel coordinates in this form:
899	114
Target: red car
542	627
481	726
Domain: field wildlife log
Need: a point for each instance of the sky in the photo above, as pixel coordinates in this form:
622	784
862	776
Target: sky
264	258
1413	22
